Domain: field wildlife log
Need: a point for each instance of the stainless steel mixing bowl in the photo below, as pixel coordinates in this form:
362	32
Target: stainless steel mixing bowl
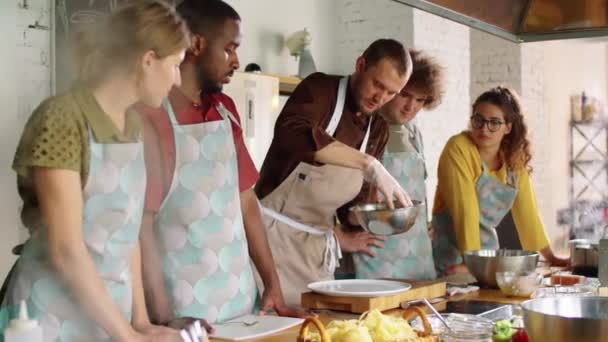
378	219
566	319
483	264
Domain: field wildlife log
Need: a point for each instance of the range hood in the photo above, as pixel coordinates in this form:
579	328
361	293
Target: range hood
524	20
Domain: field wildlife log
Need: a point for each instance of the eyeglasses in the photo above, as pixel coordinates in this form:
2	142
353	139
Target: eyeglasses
478	121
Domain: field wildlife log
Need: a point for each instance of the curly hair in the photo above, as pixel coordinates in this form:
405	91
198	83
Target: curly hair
427	75
515	146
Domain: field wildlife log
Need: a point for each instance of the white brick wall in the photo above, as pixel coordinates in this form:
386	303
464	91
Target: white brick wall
449	43
24	66
35	64
533	95
360	22
494	61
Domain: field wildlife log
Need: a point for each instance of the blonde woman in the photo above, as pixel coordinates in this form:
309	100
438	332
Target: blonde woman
81	175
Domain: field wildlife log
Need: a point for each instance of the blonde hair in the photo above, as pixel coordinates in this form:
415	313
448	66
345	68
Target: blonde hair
118	40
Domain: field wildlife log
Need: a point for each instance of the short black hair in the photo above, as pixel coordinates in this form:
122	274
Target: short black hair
205	17
388	48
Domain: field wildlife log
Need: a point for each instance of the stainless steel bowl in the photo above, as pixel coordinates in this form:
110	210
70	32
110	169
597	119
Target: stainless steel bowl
583	253
484	264
566	319
378	219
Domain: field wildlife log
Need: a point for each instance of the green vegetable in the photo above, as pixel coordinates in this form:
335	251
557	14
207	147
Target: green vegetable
503	331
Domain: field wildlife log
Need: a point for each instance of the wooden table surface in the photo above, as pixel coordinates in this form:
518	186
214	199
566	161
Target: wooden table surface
481	295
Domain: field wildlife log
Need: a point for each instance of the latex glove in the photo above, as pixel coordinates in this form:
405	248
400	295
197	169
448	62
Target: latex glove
194	333
186	322
377	175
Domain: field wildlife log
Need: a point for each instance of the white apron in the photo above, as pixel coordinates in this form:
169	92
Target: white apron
300	216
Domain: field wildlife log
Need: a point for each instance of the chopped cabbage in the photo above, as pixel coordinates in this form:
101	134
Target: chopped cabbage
372	326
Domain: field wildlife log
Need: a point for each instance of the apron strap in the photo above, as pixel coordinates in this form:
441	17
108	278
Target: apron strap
226	114
169	108
339	110
363	147
332	252
511	176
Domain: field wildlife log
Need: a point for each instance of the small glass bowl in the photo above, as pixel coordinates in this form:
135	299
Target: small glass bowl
520	284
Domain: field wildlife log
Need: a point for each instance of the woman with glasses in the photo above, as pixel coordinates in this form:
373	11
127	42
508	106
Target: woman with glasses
484	173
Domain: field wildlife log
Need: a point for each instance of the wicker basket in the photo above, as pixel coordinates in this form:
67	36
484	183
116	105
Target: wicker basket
423	336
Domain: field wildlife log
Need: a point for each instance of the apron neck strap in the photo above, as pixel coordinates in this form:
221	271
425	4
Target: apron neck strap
169	108
339	108
337	114
224	112
511	177
363	147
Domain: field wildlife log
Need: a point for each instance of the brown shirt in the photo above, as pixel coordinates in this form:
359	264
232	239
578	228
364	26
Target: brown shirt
300	132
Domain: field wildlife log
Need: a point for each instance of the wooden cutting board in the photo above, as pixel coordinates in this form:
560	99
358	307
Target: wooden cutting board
419	290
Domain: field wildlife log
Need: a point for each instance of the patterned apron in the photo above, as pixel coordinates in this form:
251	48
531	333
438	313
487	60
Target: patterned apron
408	255
206	263
495	200
300	216
112	209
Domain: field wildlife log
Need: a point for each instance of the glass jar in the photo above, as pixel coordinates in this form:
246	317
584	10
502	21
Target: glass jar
464	328
466	336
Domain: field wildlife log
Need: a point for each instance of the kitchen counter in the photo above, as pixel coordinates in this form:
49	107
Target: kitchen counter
481	295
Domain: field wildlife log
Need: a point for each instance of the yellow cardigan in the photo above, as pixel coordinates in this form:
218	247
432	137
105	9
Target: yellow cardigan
458	171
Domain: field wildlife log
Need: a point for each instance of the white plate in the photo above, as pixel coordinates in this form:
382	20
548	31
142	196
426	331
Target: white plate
359	287
266	325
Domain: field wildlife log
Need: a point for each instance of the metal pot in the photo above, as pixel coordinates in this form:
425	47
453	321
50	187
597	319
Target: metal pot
583	253
566	319
483	264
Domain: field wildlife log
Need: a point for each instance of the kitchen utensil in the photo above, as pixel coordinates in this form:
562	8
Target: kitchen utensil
520	284
406	305
359	287
464	327
378	219
584	256
483	264
563	291
248	323
265	325
566	319
437	314
500	313
428	289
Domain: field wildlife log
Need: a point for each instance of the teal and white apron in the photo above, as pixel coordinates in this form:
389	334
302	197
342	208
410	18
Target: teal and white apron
408	255
206	262
112	210
495	200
